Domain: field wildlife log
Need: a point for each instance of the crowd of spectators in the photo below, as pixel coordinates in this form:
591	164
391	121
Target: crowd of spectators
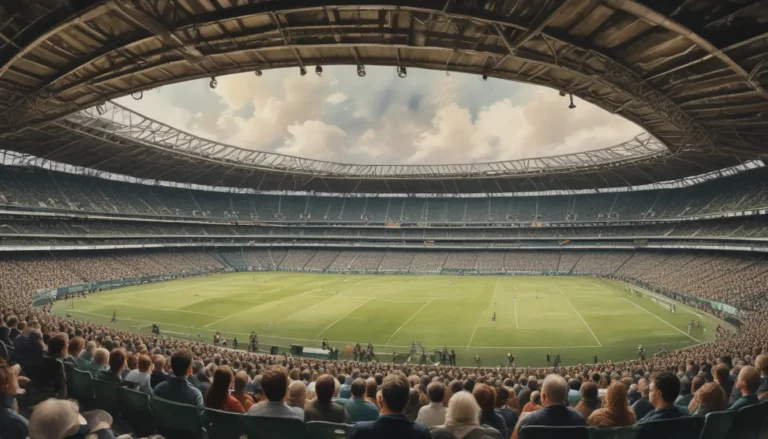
40	188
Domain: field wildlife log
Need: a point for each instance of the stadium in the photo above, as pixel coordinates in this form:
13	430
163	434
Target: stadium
180	286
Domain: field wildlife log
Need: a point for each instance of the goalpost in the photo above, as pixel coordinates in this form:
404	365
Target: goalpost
663	302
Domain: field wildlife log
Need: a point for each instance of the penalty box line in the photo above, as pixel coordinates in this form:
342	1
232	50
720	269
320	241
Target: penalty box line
664	321
578	314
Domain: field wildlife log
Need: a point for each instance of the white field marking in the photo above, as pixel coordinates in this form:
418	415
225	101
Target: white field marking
473	335
669	324
514	305
170	288
578	314
318	303
409	319
340	318
117	302
345	342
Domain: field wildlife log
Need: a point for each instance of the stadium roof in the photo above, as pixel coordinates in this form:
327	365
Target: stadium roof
690	73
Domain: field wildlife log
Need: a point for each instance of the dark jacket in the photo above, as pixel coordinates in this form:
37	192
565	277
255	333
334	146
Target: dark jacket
158	376
554	416
642	407
49	378
12	425
388	427
180	390
332	412
495	420
744	401
672	412
510	418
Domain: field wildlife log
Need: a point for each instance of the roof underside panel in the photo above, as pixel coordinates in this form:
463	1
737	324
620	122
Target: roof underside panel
690	73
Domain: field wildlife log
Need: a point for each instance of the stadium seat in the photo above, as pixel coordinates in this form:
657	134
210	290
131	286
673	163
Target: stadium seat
134	409
750	421
224	425
547	432
717	425
257	427
82	390
689	427
329	430
176	421
105	394
612	433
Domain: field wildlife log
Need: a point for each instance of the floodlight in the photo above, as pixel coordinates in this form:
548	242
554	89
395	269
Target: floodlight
572	106
361	70
257	72
213	82
303	71
319	71
402	72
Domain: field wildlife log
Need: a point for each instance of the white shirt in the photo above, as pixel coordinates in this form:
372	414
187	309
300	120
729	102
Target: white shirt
432	415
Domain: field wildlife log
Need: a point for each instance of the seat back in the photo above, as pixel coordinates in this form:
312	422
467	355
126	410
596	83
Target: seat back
258	427
175	420
134	408
105	393
717	425
749	421
224	425
82	390
612	433
688	427
328	430
547	432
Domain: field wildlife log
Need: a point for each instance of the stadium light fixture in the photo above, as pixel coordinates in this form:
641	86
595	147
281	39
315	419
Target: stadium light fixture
402	72
213	82
572	106
485	77
302	71
258	72
361	70
319	71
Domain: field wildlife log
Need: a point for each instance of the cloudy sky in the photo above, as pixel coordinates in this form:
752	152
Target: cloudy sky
429	117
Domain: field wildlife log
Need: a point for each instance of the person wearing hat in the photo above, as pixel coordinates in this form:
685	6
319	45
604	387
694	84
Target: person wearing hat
61	419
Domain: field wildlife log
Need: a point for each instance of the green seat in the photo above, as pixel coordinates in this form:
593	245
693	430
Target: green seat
750	422
134	409
328	430
257	427
68	368
82	390
612	433
717	425
688	427
175	420
105	393
224	425
547	432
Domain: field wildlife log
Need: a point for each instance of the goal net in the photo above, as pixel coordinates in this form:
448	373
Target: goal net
663	302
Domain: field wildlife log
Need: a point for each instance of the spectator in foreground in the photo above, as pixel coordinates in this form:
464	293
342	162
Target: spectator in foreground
49	378
722	376
695	384
709	398
663	392
158	372
117	362
218	397
643	405
615	411
554	392
391	423
323	408
589	401
748	382
12	425
297	395
486	397
508	407
433	414
99	363
60	419
86	356
761	363
358	409
74	349
241	382
274	384
462	421
177	388
142	375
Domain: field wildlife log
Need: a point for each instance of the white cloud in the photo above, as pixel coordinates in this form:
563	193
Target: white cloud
425	119
336	98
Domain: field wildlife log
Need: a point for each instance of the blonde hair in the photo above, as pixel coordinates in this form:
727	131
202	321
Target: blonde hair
463	409
297	394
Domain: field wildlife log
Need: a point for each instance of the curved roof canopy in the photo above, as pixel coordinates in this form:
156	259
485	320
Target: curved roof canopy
690	73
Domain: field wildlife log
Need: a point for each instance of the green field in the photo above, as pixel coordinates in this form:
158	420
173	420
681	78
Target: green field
576	317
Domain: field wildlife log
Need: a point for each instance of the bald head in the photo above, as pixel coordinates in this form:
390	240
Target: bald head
748	381
761	363
554	391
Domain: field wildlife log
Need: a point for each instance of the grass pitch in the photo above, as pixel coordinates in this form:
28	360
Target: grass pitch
576	317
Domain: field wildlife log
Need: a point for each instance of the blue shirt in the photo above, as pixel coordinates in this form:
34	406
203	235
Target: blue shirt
671	412
12	425
388	427
359	410
744	401
180	390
